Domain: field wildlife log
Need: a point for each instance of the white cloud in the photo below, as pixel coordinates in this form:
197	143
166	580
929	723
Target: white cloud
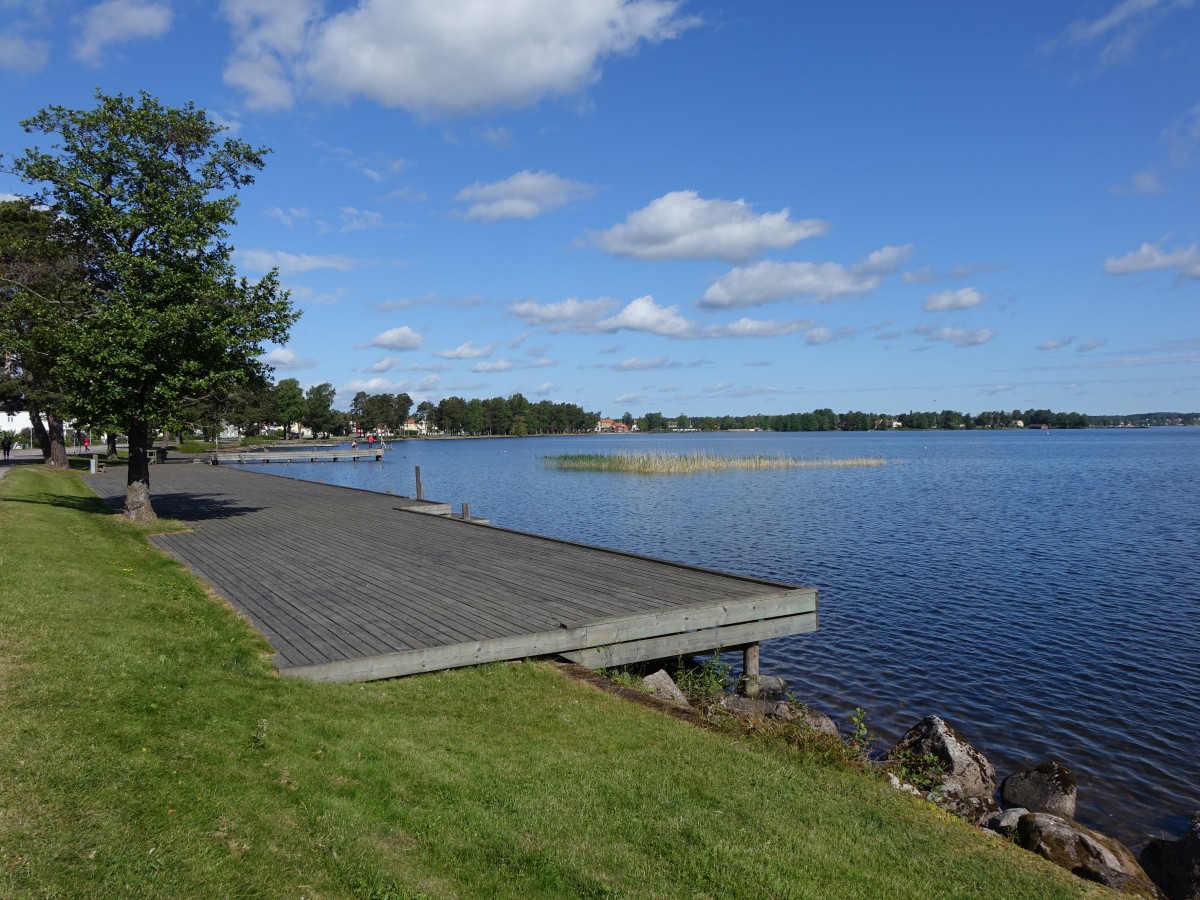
117	21
682	225
960	337
525	195
631	398
927	274
643	314
1055	344
18	54
884	261
467	351
963	298
637	364
768	282
292	263
458	56
282	358
436	56
287	217
1119	31
401	338
268	38
1090	344
545	389
496	365
745	327
568	315
1150	257
359	219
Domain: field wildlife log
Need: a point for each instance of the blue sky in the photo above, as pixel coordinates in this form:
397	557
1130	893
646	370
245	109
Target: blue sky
702	207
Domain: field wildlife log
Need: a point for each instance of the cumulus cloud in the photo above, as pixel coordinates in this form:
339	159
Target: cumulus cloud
286	217
769	282
959	337
354	219
292	263
467	351
568	315
24	55
1151	257
438	56
637	364
928	274
963	298
643	314
118	21
268	39
282	358
545	389
525	195
683	225
745	327
1090	344
401	338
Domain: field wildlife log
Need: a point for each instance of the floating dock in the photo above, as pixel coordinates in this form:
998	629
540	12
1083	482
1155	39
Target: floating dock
351	585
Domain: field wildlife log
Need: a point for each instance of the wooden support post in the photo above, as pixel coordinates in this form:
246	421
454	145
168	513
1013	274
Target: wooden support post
750	660
466	512
420	490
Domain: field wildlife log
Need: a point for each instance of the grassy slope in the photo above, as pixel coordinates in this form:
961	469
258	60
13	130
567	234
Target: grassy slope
148	749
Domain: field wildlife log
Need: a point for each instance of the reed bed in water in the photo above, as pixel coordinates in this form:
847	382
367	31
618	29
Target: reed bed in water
661	462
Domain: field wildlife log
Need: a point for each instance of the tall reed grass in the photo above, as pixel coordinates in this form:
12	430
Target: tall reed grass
661	462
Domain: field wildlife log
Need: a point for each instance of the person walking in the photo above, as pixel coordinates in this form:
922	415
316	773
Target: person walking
6	446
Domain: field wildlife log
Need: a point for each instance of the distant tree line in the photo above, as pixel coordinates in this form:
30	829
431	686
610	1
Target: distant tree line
513	415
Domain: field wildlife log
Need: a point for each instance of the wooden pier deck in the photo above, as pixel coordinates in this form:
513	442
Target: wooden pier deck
351	585
264	457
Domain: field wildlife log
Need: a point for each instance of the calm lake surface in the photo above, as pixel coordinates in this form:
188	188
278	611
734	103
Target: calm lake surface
1039	591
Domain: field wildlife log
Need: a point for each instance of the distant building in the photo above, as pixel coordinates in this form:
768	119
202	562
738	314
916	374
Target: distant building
611	426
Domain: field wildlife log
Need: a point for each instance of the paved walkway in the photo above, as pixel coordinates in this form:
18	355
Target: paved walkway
350	585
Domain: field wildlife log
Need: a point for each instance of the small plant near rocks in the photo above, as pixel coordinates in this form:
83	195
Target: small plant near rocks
706	683
623	677
924	772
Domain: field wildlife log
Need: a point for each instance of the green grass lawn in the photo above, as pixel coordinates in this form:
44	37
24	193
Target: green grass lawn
148	749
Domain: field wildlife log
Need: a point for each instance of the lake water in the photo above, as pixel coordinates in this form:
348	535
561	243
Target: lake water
1039	591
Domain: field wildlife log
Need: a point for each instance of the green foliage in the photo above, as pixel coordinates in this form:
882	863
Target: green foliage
706	683
661	462
288	405
925	772
319	414
151	191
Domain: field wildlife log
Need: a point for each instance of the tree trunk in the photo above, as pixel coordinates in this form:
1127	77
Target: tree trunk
137	487
112	445
40	435
57	457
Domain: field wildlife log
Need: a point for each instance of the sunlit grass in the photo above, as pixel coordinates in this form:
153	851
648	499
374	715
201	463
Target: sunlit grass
148	749
661	462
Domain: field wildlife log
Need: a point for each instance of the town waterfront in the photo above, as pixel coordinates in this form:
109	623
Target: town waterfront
1038	590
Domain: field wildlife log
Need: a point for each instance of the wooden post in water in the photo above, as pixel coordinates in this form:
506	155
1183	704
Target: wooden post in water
420	490
750	660
466	512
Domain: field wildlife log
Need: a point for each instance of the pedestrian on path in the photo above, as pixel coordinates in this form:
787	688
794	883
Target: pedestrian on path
6	445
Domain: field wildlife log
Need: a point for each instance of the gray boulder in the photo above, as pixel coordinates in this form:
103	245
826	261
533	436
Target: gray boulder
1085	853
818	721
1005	822
662	686
968	771
1050	788
744	706
763	687
1175	865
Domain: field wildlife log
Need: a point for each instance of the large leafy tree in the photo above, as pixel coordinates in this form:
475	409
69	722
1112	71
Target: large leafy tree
288	405
319	413
42	285
152	190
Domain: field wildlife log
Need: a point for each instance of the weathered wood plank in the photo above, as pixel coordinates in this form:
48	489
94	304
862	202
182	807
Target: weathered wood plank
691	642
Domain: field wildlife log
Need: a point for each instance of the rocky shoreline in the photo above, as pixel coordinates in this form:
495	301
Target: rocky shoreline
1034	808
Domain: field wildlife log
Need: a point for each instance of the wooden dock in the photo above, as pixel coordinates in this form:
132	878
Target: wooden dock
263	457
351	585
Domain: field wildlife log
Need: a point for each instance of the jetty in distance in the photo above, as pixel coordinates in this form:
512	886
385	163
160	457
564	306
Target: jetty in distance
351	585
